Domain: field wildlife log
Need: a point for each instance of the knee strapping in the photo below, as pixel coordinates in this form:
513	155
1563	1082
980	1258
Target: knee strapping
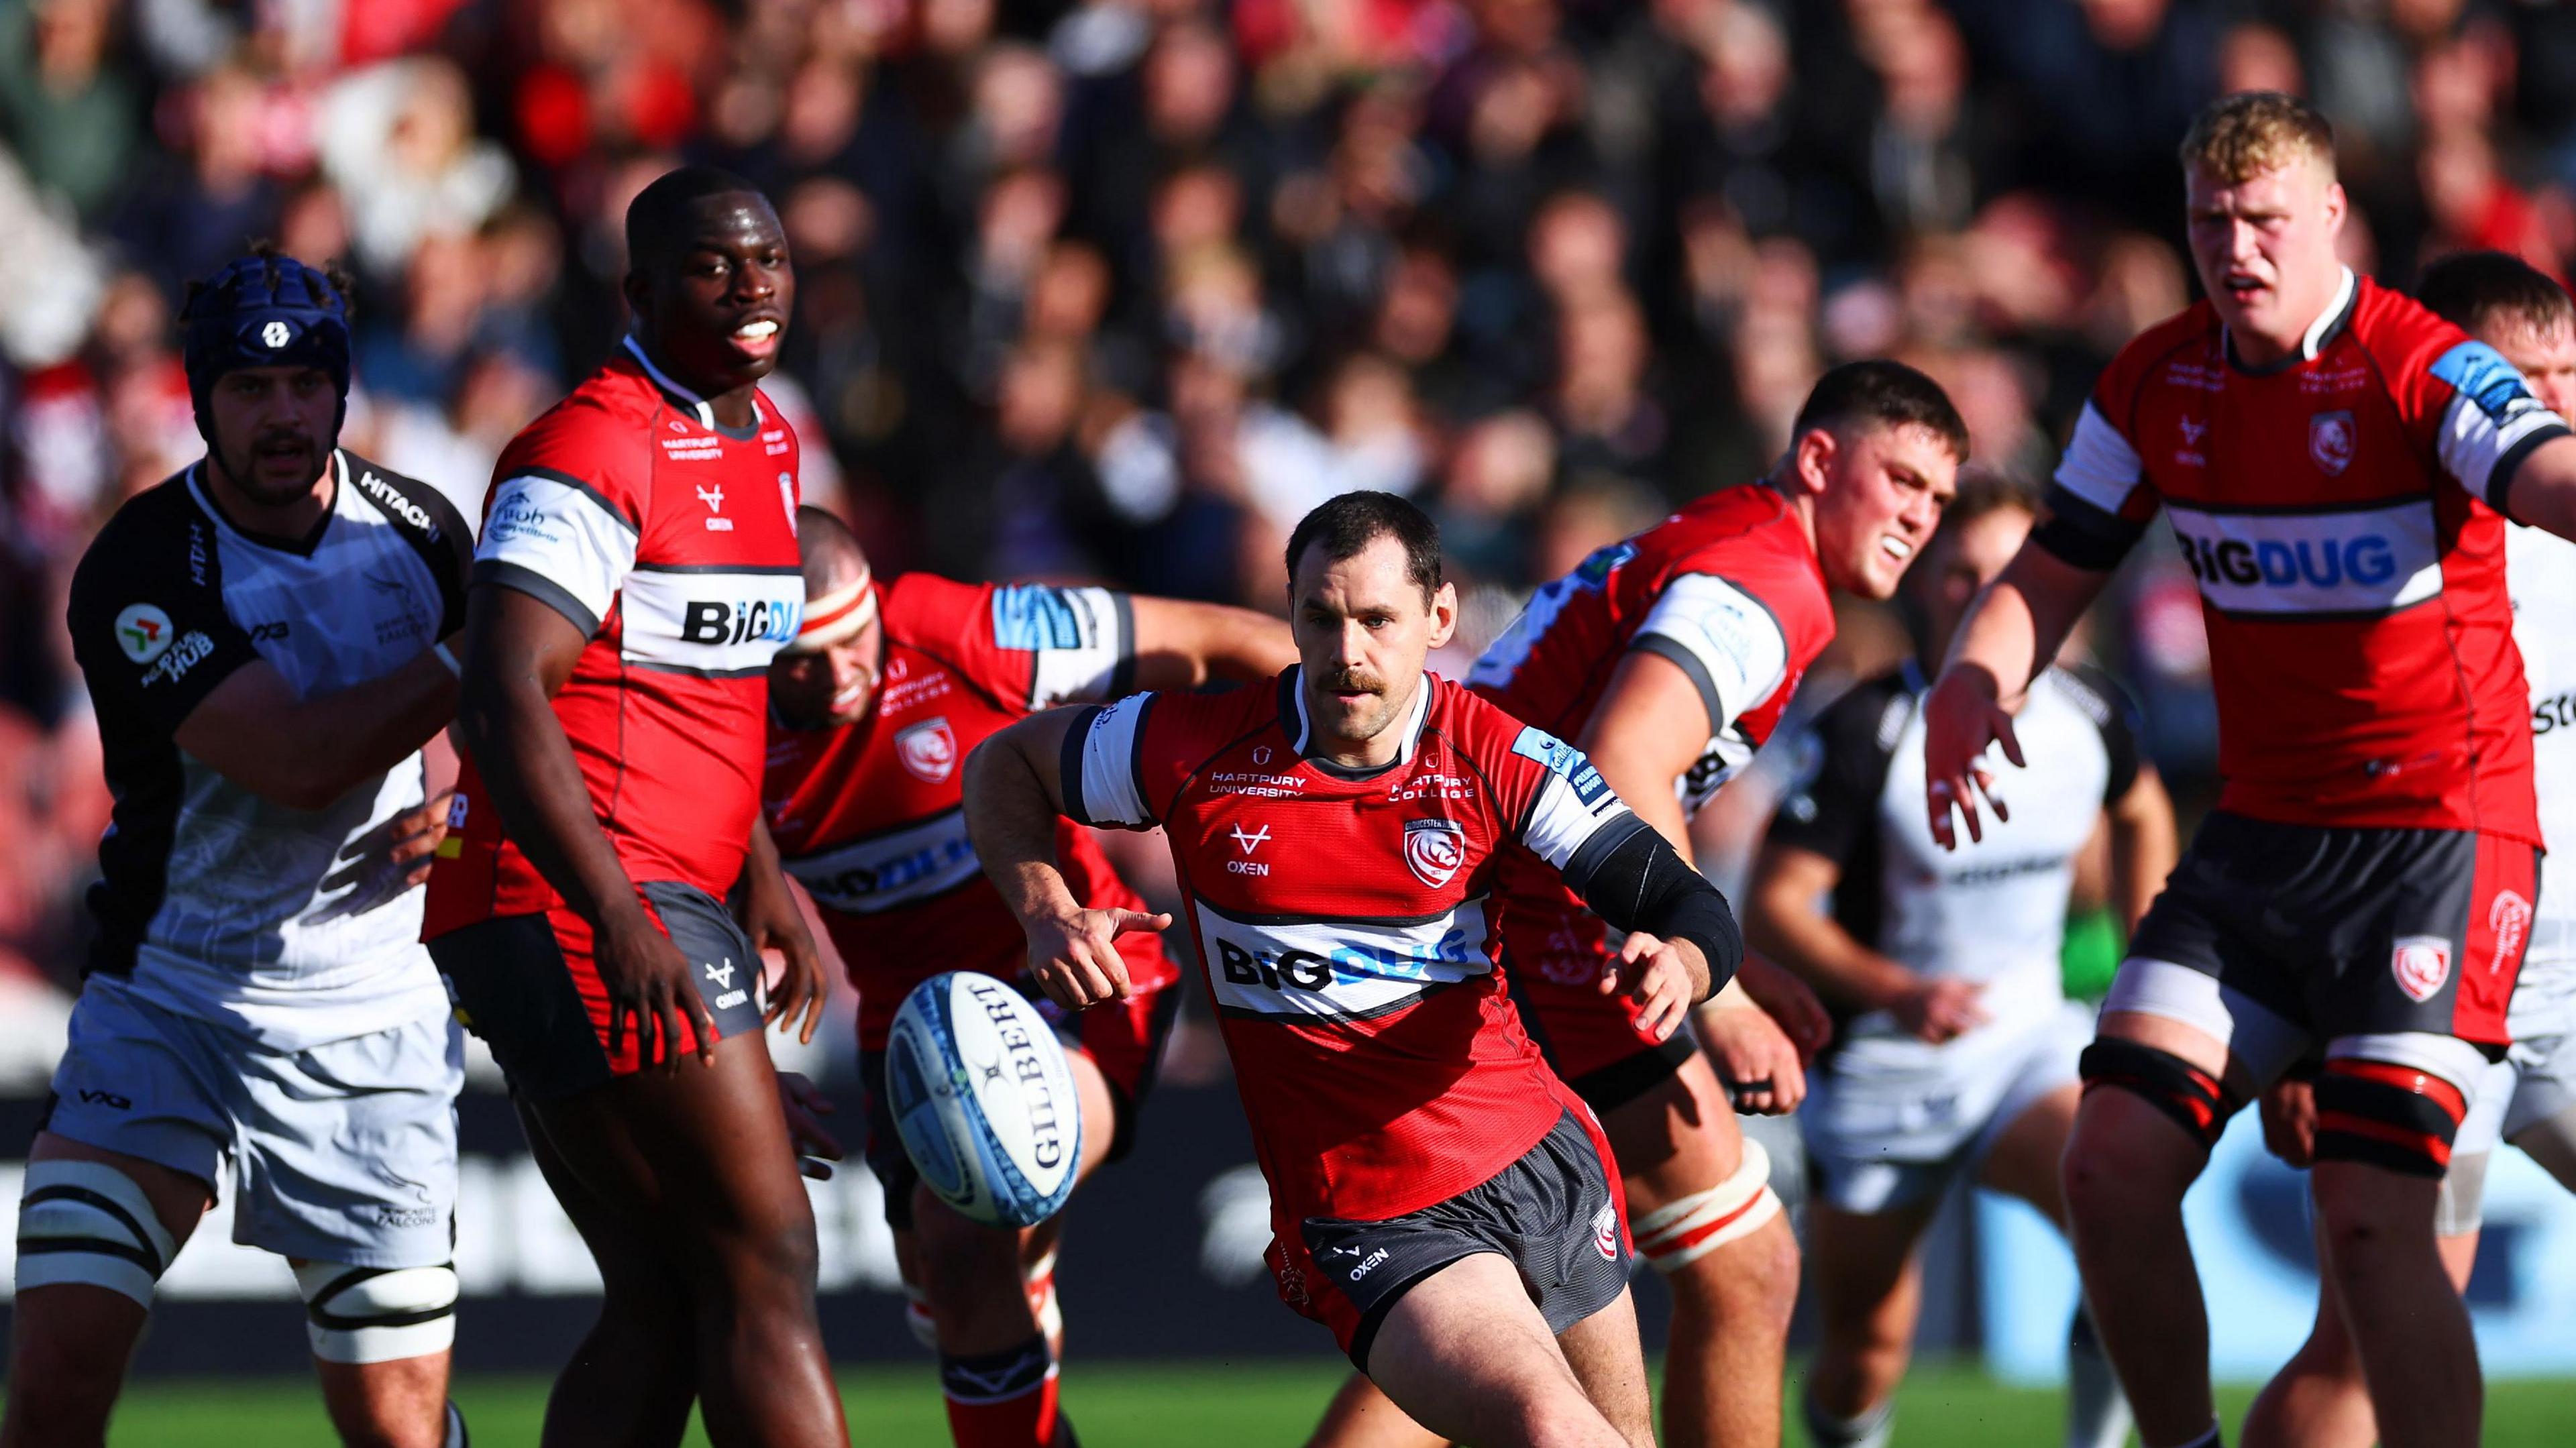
2191	1096
86	1222
377	1314
1679	1233
2397	1117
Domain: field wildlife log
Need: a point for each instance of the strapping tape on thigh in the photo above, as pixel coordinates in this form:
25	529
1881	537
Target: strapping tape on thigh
2192	1097
378	1314
1681	1232
2397	1117
87	1223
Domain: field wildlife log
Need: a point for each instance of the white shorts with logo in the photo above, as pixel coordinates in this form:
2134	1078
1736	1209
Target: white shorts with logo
345	1152
1887	1130
2537	1078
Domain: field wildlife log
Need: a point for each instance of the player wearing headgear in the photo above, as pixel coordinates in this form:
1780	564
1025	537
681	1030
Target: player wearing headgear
2529	1097
262	639
2338	464
637	570
1957	1047
1439	1198
1670	658
873	707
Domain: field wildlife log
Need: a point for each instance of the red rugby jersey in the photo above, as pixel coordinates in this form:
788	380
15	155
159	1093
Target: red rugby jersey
671	542
1729	589
870	816
2338	513
1345	925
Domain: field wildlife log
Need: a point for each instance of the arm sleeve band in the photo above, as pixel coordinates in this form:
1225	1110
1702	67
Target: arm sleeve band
1633	878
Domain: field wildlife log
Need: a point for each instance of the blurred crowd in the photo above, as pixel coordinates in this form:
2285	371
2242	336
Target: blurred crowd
1118	289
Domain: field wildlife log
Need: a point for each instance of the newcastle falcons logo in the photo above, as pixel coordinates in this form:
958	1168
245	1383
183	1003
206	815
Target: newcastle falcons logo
1434	849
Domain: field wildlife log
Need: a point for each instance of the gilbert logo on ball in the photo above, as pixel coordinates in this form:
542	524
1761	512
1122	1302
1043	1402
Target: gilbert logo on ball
983	1099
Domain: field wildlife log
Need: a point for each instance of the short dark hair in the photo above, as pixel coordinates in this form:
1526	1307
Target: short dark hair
2467	288
657	220
1345	526
1985	489
1880	393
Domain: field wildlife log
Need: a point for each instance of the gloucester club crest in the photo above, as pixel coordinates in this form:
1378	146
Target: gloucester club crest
2421	964
1434	849
928	749
2330	440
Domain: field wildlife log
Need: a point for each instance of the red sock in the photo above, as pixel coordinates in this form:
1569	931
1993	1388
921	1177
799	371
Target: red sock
1005	1399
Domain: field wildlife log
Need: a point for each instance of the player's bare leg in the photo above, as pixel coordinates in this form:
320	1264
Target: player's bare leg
397	1404
2127	1167
1610	1362
1465	1353
2404	1316
1869	1290
700	1158
1360	1416
635	1375
2318	1398
1731	1306
70	1342
2025	1161
974	1279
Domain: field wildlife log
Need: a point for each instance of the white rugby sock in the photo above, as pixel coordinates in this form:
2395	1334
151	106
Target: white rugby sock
1872	1429
2097	1415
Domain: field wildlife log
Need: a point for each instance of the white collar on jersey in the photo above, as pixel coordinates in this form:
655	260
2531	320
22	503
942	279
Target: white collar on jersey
704	410
2319	331
1417	716
197	488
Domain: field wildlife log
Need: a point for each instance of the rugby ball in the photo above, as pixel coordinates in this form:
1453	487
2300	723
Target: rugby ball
981	1095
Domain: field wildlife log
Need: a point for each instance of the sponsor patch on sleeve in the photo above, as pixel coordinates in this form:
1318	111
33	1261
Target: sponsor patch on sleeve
1034	616
2481	374
1564	760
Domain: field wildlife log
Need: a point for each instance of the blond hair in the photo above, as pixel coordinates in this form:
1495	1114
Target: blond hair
2247	134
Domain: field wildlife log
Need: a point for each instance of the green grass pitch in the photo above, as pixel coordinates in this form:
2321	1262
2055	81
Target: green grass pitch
1267	1404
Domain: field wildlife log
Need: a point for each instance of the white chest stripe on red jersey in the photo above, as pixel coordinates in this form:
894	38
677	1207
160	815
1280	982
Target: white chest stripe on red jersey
2366	560
715	622
896	867
1338	970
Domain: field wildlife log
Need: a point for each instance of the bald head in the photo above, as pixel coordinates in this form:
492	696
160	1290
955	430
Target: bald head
831	553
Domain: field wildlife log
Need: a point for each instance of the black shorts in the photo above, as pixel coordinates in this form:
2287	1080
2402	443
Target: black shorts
1123	1038
527	985
2340	933
1550	1214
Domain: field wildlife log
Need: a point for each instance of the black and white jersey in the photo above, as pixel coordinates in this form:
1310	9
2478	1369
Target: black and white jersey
1992	910
217	903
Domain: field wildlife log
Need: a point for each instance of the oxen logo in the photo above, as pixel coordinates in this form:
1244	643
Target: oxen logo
2421	964
928	749
2509	920
2331	441
1434	849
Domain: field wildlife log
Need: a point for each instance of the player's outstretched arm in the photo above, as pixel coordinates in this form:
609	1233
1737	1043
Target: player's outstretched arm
519	650
306	753
1181	645
2542	490
1015	792
2020	621
1781	921
2145	843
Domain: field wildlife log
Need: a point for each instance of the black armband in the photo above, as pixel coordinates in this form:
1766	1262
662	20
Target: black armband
1631	876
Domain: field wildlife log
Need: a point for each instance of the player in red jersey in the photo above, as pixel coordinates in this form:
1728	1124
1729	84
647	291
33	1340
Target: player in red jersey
637	569
1669	659
872	709
1439	1198
2338	464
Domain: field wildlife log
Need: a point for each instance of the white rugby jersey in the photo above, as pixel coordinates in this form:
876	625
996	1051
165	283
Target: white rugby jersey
217	903
2540	572
1993	910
